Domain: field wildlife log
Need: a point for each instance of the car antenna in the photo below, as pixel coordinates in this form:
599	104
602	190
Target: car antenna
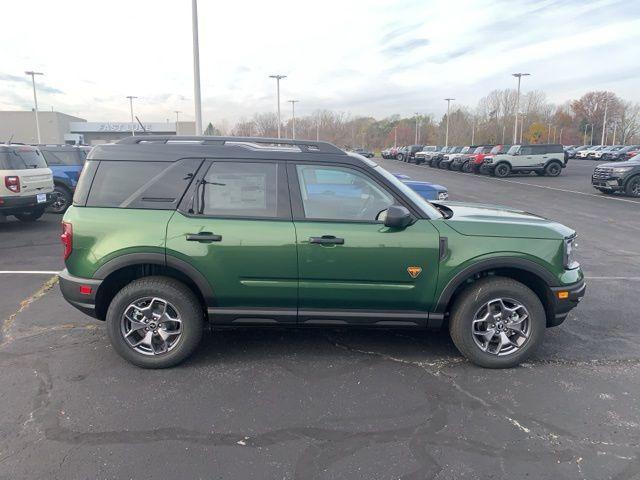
141	125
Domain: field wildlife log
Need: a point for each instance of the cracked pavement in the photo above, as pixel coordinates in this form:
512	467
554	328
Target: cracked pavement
298	404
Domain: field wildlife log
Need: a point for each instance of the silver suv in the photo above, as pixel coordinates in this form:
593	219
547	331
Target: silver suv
542	159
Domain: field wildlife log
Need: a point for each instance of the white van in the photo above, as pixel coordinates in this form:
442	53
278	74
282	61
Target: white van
26	183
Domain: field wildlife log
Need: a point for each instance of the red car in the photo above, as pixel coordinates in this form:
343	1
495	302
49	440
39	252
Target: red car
478	161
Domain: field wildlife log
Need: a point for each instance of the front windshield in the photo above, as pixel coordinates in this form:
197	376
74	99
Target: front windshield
428	209
513	150
465	150
496	149
478	150
635	159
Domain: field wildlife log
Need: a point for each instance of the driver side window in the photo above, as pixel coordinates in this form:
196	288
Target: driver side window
339	193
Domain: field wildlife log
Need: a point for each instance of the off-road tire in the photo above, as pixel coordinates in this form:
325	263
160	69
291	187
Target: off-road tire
180	296
478	294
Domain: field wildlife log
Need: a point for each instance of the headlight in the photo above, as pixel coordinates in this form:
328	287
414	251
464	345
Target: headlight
569	246
443	195
621	169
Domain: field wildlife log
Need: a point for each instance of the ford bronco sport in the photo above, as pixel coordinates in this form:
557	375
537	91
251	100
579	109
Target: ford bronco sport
542	159
26	183
167	233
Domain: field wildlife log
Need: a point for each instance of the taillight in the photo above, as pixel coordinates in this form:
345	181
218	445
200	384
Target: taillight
12	183
67	238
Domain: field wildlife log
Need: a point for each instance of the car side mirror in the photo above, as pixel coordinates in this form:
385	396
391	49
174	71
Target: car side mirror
397	216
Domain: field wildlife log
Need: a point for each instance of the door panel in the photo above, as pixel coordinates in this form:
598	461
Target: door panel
370	269
235	227
252	265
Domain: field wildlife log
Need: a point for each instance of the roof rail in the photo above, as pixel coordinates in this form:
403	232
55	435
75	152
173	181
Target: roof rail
306	146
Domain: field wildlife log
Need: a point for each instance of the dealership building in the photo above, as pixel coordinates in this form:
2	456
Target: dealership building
59	128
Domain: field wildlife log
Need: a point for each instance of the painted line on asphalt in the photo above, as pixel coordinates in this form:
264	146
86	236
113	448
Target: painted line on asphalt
31	272
626	200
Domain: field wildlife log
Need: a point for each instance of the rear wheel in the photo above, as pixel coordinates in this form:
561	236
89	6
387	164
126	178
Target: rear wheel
466	167
61	200
30	216
497	322
155	322
400	157
502	170
553	169
633	187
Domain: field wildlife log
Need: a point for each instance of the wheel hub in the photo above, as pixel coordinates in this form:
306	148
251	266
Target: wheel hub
501	326
151	326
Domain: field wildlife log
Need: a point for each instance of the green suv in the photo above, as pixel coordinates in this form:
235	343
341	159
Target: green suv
168	233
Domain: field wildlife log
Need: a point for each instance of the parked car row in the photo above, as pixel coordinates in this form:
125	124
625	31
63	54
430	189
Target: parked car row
38	178
614	153
498	160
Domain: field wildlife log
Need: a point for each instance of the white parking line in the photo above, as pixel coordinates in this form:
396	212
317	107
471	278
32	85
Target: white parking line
32	272
626	200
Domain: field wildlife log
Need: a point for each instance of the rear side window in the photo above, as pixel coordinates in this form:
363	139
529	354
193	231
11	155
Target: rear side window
21	159
242	189
63	157
152	185
553	149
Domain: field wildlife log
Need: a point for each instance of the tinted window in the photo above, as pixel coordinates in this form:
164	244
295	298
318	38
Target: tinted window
84	183
21	158
154	185
63	157
526	150
240	189
553	149
538	149
338	193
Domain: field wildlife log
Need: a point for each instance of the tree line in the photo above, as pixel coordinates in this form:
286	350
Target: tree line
492	121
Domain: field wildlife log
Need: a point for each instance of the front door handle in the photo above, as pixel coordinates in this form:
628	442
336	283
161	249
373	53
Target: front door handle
327	240
203	237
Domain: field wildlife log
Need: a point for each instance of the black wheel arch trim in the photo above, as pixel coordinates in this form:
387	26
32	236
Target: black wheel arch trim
489	264
163	260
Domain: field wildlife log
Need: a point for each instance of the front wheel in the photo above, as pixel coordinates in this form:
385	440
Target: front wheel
155	322
30	216
497	322
466	167
400	157
633	187
502	170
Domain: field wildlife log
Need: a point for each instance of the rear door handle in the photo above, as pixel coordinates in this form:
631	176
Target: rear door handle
327	240
203	237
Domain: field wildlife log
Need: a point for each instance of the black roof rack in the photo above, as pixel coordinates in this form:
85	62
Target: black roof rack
253	143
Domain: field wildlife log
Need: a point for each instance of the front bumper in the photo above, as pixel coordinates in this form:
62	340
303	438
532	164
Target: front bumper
572	294
70	289
614	184
11	205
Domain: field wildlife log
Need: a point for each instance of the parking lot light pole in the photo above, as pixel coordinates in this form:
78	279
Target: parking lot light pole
515	127
293	118
591	141
446	136
131	97
604	123
549	134
473	131
395	136
196	67
177	112
584	139
417	125
278	78
560	139
615	127
35	101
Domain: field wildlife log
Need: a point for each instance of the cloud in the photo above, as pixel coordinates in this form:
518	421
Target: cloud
406	46
5	77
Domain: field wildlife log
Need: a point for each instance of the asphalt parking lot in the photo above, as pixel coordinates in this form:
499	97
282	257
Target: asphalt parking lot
332	404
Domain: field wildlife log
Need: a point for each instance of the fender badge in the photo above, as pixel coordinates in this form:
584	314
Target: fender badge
414	271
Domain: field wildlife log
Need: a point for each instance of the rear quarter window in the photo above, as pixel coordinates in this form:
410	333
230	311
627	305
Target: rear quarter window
146	185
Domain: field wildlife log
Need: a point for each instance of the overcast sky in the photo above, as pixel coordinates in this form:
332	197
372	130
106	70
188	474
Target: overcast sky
363	57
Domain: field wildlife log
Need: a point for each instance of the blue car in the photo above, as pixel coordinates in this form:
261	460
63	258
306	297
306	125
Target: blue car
428	191
66	162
